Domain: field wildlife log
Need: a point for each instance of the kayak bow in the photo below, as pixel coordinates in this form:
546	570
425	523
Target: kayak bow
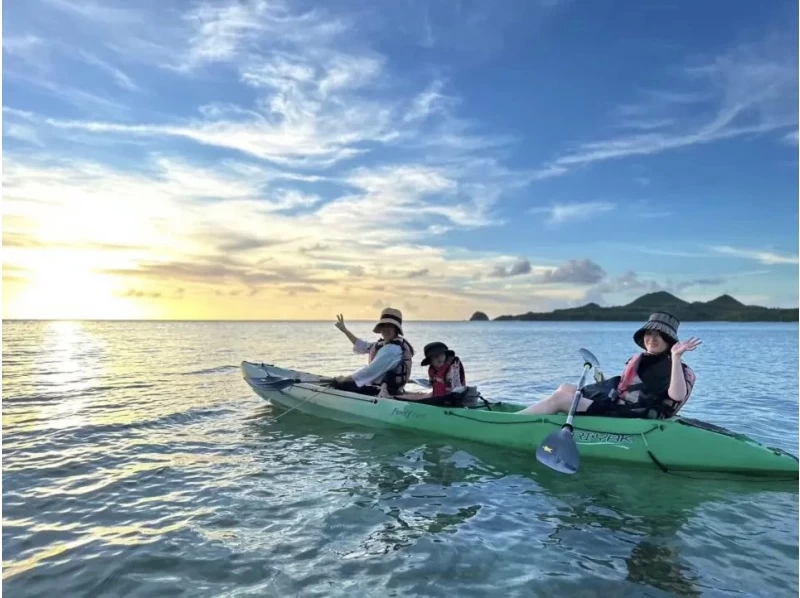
677	444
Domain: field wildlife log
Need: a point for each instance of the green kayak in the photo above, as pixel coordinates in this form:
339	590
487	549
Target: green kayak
677	444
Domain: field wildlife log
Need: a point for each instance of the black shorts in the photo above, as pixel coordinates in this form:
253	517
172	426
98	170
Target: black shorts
367	389
606	407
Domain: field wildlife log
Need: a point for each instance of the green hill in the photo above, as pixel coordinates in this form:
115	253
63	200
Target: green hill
722	309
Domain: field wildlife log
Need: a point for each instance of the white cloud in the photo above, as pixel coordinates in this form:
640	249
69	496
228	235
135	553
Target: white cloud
560	213
23	133
29	47
120	78
762	256
224	31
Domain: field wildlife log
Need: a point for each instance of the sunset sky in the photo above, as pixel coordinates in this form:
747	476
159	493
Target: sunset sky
281	160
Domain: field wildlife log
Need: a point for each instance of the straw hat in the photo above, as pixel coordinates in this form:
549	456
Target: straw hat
665	323
390	316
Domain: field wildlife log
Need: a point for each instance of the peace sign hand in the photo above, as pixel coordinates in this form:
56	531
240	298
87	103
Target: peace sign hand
340	323
689	344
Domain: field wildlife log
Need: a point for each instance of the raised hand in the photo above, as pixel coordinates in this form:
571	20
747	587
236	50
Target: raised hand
340	323
689	344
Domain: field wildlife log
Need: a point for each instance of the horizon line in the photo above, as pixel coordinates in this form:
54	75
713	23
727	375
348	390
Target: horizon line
248	321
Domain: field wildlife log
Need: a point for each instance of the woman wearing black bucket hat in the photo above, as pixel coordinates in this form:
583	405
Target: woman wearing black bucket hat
655	384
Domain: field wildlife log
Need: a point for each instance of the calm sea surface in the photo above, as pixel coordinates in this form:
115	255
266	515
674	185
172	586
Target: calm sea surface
137	462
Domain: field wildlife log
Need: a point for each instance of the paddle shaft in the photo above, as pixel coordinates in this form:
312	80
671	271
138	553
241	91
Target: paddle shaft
577	399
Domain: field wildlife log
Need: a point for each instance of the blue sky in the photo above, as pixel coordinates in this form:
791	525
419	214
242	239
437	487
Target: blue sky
280	159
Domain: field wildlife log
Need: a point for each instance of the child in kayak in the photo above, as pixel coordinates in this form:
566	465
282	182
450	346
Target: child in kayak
654	385
445	374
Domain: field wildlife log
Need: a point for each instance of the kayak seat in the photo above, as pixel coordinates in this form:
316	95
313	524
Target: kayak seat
474	400
468	398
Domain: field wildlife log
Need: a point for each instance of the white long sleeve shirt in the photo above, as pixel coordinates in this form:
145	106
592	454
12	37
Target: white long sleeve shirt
386	359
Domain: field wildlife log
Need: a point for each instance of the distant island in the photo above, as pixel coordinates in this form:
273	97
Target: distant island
722	309
479	316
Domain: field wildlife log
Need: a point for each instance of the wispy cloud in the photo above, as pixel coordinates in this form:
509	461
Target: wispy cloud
655	214
751	89
119	77
762	256
137	294
560	213
22	132
98	12
178	224
29	48
322	97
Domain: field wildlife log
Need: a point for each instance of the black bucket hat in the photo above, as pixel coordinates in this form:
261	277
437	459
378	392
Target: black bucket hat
661	321
435	348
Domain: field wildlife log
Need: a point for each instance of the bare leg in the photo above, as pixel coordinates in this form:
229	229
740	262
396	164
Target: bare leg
414	396
559	402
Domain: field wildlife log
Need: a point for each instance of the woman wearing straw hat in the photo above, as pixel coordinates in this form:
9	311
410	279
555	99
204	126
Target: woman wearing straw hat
390	357
655	384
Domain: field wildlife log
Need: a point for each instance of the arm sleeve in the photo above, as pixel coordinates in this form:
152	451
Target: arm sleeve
455	379
362	347
690	376
386	359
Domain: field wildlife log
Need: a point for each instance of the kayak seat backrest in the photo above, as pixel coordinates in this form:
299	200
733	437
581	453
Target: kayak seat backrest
474	400
472	397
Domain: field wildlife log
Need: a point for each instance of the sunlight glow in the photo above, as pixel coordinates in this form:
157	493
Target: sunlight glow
67	289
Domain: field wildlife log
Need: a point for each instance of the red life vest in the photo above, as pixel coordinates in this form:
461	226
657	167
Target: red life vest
398	377
440	381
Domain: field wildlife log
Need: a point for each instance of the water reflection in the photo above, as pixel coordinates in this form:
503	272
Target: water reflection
659	566
609	518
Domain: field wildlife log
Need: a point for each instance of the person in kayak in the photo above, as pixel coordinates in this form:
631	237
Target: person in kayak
655	384
390	358
446	375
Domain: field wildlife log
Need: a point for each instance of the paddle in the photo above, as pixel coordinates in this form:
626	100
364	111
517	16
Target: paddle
558	451
276	383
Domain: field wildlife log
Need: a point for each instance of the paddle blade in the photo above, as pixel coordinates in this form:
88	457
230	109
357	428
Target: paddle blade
588	357
559	452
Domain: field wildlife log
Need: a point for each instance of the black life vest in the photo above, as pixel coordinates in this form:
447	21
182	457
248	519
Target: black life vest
644	384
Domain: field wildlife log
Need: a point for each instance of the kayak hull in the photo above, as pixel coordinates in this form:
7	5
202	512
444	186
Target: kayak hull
678	444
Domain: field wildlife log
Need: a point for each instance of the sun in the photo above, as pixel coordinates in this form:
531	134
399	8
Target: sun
68	288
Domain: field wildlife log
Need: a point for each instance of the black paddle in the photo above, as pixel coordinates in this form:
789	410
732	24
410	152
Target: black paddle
276	383
558	451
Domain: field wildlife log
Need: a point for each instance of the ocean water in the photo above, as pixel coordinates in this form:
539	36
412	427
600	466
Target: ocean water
137	462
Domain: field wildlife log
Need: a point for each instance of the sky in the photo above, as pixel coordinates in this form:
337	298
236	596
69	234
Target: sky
281	160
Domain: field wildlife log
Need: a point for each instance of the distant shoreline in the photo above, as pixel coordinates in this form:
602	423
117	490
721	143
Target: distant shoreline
722	309
367	322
